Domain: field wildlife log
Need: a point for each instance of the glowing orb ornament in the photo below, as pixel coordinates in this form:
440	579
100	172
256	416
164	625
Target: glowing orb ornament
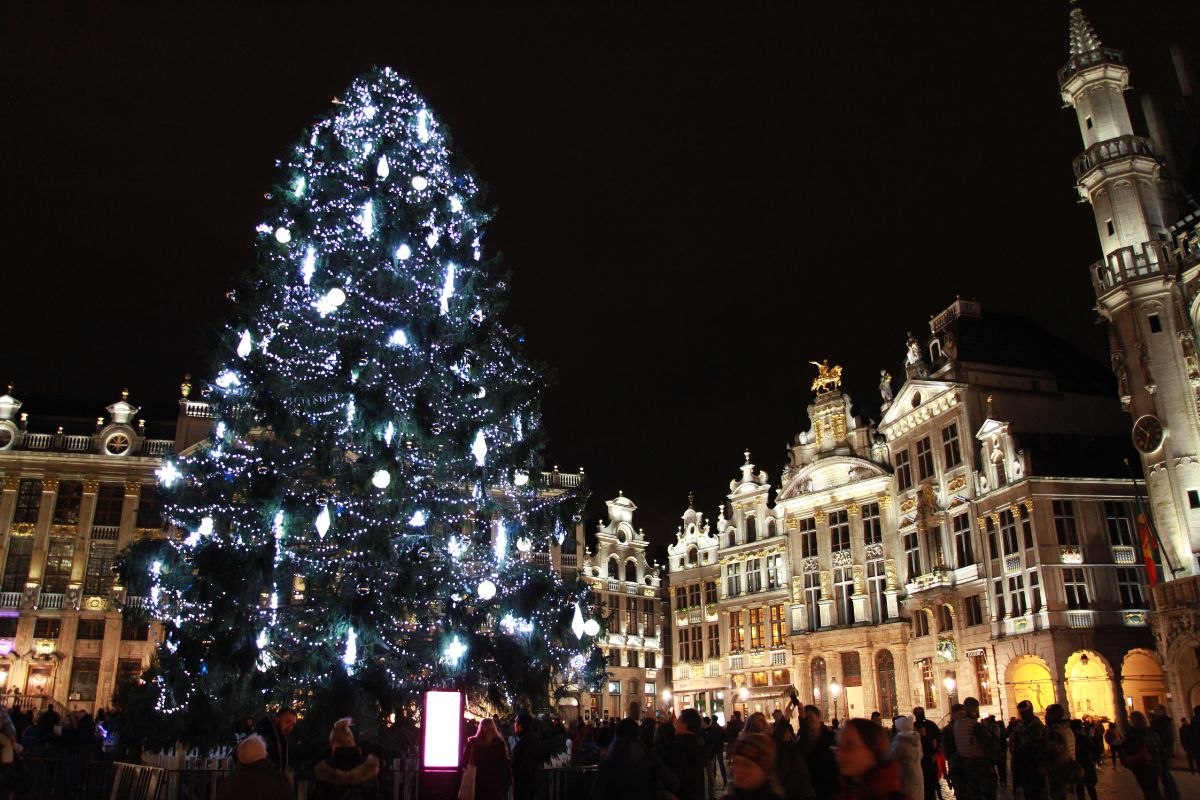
521	477
244	344
381	479
283	235
419	182
417	520
403	252
382	169
454	651
487	590
591	627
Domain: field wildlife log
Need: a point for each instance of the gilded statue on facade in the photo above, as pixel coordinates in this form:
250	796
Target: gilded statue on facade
828	378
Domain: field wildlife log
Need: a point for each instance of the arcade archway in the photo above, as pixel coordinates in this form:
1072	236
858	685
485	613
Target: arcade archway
1142	682
1029	679
1089	685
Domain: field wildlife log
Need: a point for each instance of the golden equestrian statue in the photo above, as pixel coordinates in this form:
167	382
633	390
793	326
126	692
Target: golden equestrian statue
828	378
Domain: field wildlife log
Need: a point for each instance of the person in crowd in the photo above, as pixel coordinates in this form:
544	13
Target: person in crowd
953	769
877	718
1097	737
733	730
757	723
526	758
1164	729
1185	741
686	755
752	769
1027	741
1112	737
714	747
630	771
815	744
254	776
1195	728
1058	758
487	752
1141	753
275	730
791	768
346	773
906	752
931	738
864	769
1085	756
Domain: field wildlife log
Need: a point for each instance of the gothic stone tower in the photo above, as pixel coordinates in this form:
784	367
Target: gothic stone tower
1138	291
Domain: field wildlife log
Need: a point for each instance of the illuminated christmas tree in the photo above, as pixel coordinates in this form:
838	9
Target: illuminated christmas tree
356	529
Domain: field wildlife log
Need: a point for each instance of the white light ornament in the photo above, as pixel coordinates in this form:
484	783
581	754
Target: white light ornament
457	549
500	545
520	477
487	590
398	338
479	449
168	474
388	433
417	520
591	627
298	187
423	125
350	655
244	345
403	252
454	652
455	204
381	479
310	265
227	379
283	235
420	183
382	169
332	300
322	522
155	570
524	544
447	289
367	220
577	625
205	529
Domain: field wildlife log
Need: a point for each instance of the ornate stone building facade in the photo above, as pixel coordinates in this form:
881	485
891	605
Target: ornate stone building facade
698	676
627	589
75	494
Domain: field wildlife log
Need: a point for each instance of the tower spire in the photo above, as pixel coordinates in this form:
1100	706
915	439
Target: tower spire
1083	37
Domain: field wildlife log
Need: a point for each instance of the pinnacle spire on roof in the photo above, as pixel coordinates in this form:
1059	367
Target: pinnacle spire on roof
1083	38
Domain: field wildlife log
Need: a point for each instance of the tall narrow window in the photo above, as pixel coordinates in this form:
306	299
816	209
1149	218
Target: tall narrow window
843	590
694	595
993	550
1118	517
16	567
839	530
99	579
928	683
912	554
754	575
820	685
951	452
29	501
751	528
983	680
974	607
697	645
737	636
1075	587
59	555
1035	590
680	598
885	679
714	641
872	524
812	597
876	584
920	623
1016	595
631	571
903	471
1108	224
85	675
149	510
945	618
685	644
778	629
924	459
1129	586
775	576
109	500
66	506
631	615
757	641
963	551
733	579
710	593
808	538
1155	323
1064	522
998	594
1027	529
1008	532
651	616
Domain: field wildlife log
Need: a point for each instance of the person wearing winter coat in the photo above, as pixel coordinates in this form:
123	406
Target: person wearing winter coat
526	758
865	770
254	775
630	771
752	768
346	774
1141	753
1085	756
906	751
686	757
488	753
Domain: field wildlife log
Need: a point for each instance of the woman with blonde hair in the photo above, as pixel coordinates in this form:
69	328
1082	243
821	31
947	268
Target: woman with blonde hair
486	775
346	774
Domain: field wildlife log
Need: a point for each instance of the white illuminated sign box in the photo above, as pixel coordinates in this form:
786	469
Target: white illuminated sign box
442	722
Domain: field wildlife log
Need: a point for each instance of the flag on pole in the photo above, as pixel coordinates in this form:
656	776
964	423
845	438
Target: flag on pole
1148	547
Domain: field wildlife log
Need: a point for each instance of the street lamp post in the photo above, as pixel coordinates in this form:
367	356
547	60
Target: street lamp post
835	689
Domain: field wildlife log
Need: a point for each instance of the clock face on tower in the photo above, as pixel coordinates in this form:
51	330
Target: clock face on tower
1147	433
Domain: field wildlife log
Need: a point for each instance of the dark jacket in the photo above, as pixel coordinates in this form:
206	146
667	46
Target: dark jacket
347	775
628	772
260	781
881	783
791	769
526	758
492	776
686	757
768	791
278	748
818	754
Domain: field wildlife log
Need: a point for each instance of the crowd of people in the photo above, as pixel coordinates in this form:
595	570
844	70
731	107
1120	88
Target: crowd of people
793	755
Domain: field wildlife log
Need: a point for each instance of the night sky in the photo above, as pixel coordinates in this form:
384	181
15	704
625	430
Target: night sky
694	203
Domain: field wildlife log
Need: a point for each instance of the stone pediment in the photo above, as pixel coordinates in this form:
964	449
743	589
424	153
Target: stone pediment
917	400
830	473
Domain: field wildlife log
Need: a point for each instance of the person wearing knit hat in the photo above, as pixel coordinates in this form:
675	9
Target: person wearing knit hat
254	776
753	760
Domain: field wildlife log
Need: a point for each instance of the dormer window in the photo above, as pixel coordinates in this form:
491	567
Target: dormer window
691	556
751	528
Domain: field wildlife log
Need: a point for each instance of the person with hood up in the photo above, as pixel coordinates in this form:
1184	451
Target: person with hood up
752	766
906	751
630	771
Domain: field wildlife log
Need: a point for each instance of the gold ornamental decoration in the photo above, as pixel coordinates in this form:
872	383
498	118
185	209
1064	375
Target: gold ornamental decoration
828	378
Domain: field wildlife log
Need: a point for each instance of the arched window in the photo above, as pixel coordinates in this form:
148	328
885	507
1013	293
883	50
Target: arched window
614	568
770	527
885	676
945	618
751	528
820	686
691	555
631	571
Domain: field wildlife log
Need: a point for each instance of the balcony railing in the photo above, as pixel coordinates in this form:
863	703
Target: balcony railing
1101	55
11	599
569	560
105	533
1126	265
1111	150
52	601
157	447
77	444
1183	593
1123	554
